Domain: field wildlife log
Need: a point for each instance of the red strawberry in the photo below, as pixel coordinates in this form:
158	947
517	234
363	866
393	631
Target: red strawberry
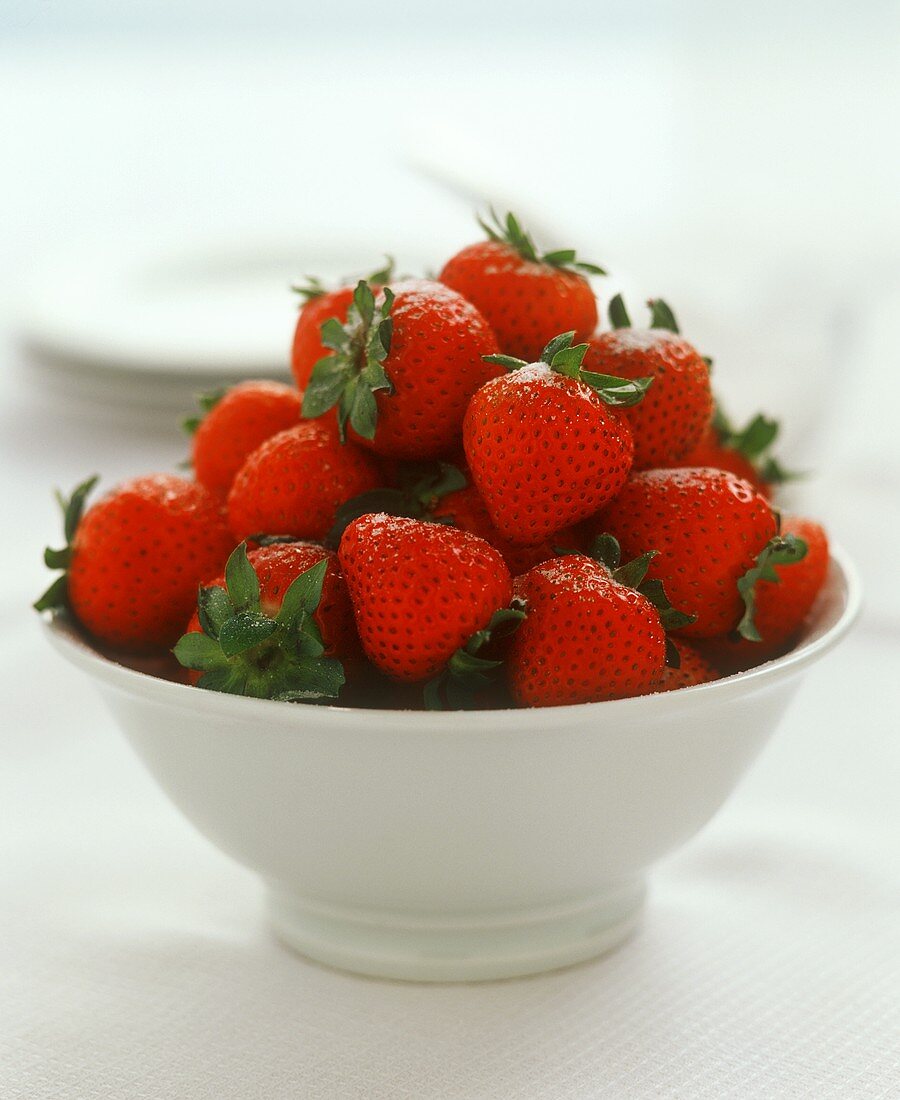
781	594
586	636
403	368
440	492
420	591
466	510
135	558
544	443
693	668
277	565
710	452
294	482
318	306
743	451
235	424
676	410
272	625
778	591
526	297
708	527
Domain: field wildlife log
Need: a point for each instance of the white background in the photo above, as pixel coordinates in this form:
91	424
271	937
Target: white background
740	160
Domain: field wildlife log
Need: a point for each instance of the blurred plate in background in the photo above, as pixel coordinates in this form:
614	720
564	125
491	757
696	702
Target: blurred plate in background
151	324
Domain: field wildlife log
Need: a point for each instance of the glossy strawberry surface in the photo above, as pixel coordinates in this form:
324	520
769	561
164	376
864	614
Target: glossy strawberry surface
694	669
710	451
526	302
294	482
434	365
244	417
586	638
707	527
419	591
138	556
467	511
677	407
545	451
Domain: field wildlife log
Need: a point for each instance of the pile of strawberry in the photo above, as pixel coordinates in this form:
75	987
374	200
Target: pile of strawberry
474	496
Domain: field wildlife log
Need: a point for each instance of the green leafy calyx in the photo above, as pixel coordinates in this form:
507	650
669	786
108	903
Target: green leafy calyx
468	671
633	574
661	314
781	550
565	358
312	287
509	231
242	650
354	371
753	441
57	595
207	402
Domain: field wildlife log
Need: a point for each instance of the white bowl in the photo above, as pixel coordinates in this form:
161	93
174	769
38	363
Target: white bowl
456	846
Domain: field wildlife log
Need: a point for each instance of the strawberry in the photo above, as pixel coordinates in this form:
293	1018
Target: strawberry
526	297
693	668
777	599
442	494
403	368
708	527
272	626
465	509
133	561
546	444
672	417
778	592
586	637
743	451
294	482
235	424
319	305
420	592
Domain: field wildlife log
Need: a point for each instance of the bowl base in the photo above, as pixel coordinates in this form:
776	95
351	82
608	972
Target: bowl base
413	947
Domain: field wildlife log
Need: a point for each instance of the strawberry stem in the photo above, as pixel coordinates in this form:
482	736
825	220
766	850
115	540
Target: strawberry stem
565	358
467	672
57	595
606	550
509	231
354	372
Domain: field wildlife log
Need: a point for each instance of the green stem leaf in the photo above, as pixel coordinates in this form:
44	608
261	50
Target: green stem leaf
241	580
468	671
781	550
355	372
618	314
509	231
661	315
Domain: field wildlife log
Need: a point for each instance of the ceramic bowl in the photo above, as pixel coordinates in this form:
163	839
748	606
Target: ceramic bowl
456	846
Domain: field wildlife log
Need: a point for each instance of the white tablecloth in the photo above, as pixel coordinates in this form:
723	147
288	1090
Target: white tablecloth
134	958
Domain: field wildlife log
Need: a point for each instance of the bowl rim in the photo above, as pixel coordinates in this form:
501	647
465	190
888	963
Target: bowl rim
68	641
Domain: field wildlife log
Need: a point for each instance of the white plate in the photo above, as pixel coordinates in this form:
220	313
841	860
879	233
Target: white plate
152	323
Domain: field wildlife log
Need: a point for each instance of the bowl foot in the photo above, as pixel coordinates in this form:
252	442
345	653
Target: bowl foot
413	947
